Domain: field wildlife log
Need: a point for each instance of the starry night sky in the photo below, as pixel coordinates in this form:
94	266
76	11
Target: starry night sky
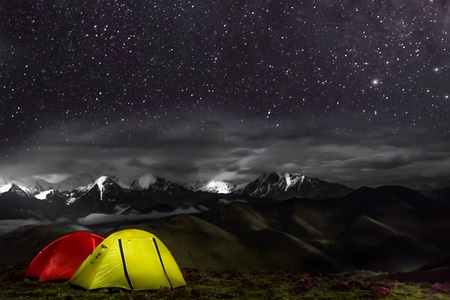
350	91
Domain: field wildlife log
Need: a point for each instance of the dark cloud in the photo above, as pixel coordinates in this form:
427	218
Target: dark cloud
178	170
225	151
136	163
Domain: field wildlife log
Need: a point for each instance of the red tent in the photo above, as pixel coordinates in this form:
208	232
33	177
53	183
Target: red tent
61	258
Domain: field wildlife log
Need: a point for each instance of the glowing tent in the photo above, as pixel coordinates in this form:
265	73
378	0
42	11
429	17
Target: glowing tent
60	259
130	259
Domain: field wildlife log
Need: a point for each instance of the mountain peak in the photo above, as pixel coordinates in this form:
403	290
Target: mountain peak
213	186
5	188
290	178
106	184
101	183
289	185
143	182
13	187
220	187
282	180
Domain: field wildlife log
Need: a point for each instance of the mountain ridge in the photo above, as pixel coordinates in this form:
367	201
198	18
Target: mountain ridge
378	229
286	186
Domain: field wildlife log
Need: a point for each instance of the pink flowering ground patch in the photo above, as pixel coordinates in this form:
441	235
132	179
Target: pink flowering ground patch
437	287
380	290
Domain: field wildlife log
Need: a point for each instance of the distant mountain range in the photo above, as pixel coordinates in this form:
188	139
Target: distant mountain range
273	185
277	221
389	228
80	195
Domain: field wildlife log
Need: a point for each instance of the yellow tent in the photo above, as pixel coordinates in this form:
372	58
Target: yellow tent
131	259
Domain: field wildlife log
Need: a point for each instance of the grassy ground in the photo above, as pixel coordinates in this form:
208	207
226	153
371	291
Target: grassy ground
232	285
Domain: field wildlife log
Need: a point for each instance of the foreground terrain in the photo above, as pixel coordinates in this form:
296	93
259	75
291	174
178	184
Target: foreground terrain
253	248
235	285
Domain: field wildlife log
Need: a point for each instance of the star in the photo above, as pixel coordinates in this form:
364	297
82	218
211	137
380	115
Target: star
375	82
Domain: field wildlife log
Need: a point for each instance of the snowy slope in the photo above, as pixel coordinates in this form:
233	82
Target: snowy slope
291	185
213	186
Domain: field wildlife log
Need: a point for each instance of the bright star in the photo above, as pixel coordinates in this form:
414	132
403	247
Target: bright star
375	81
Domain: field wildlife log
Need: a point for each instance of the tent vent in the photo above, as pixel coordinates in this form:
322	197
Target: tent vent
162	264
125	265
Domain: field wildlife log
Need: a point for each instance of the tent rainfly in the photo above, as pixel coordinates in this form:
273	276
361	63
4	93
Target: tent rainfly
60	259
131	259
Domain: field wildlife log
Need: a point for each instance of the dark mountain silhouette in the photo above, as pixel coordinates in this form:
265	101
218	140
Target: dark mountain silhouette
437	271
15	203
389	228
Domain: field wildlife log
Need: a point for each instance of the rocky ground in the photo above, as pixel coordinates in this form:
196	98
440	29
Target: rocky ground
237	285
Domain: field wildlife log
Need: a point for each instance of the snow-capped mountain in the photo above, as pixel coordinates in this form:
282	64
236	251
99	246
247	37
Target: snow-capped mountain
101	196
31	185
213	186
147	193
39	185
143	182
273	185
284	186
16	203
153	183
104	187
14	189
195	185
